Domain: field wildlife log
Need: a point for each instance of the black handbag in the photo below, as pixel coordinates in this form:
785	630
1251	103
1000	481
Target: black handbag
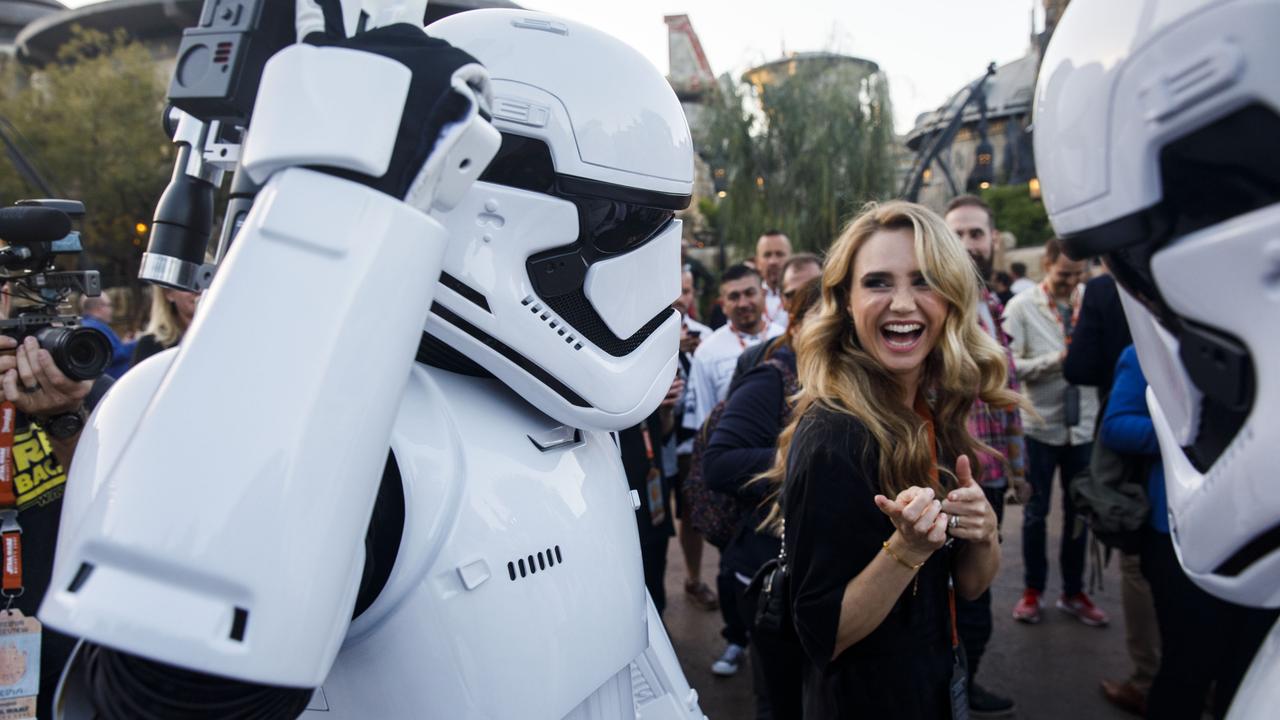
771	612
775	646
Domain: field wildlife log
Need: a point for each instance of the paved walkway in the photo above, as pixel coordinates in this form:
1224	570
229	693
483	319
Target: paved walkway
1051	669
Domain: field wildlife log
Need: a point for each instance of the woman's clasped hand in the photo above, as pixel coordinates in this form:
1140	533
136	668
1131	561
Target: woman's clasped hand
917	516
923	521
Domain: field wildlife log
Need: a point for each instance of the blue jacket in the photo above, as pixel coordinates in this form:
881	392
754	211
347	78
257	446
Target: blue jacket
1127	428
121	352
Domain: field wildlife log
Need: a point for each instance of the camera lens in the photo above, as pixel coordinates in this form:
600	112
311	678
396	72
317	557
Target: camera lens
80	353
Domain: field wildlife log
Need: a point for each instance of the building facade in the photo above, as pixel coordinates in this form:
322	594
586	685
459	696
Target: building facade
1009	96
17	14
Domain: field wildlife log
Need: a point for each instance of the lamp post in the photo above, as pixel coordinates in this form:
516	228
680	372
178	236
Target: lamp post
983	174
941	139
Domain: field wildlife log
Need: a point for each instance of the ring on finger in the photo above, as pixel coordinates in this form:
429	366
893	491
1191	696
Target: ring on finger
29	389
953	522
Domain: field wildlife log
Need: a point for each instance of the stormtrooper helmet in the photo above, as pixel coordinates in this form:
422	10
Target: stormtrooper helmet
1157	138
564	258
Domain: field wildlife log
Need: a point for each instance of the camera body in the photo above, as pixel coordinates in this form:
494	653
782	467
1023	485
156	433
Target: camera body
28	265
81	353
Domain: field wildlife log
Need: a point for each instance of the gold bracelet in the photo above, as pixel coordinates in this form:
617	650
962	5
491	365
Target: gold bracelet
901	562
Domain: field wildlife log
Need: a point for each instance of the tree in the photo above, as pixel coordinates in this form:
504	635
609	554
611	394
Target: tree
802	152
1019	213
91	122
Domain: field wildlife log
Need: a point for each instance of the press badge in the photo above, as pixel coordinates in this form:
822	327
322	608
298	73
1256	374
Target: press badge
657	508
19	665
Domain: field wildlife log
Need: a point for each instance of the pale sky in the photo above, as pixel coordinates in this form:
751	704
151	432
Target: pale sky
928	48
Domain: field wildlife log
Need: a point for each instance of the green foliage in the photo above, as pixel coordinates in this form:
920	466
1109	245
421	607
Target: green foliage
1017	212
803	153
91	123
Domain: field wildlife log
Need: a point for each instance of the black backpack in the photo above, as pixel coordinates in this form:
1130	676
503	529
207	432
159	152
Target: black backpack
715	514
1111	496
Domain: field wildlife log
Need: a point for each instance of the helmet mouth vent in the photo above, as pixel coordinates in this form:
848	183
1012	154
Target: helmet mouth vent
576	311
534	370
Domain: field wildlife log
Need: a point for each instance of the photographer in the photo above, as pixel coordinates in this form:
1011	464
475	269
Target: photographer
50	413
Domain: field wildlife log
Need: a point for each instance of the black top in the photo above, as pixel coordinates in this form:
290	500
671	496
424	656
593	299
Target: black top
752	357
147	346
834	530
637	465
1101	334
743	446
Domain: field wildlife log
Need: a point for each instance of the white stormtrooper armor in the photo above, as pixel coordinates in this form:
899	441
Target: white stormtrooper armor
519	529
1157	131
555	280
218	515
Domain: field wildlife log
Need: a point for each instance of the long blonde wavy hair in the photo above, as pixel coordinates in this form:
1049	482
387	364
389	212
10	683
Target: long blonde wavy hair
835	371
165	323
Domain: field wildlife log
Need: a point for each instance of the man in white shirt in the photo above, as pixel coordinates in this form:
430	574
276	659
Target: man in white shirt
773	249
973	222
799	270
1020	280
743	301
1059	435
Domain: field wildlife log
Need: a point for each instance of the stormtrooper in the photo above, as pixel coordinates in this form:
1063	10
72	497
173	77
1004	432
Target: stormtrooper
1157	133
236	535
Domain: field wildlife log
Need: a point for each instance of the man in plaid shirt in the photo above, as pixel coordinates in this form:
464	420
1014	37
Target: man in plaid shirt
1000	428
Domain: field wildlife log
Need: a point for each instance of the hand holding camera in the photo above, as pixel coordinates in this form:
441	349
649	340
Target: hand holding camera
31	380
36	233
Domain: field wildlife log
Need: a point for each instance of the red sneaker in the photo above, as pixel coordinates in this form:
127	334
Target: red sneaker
1083	608
1028	608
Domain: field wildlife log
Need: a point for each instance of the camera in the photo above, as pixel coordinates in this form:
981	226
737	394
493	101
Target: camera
36	233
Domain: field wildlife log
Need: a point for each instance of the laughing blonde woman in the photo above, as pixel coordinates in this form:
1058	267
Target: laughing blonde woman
171	313
881	509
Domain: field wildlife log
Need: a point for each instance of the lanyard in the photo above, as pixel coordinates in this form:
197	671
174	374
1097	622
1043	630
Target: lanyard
768	316
742	342
922	409
1057	316
653	480
10	530
951	603
648	441
649	453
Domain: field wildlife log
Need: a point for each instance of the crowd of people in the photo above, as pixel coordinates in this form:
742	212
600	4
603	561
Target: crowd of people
861	420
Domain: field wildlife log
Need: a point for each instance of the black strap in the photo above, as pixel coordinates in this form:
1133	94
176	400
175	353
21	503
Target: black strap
334	28
431	105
